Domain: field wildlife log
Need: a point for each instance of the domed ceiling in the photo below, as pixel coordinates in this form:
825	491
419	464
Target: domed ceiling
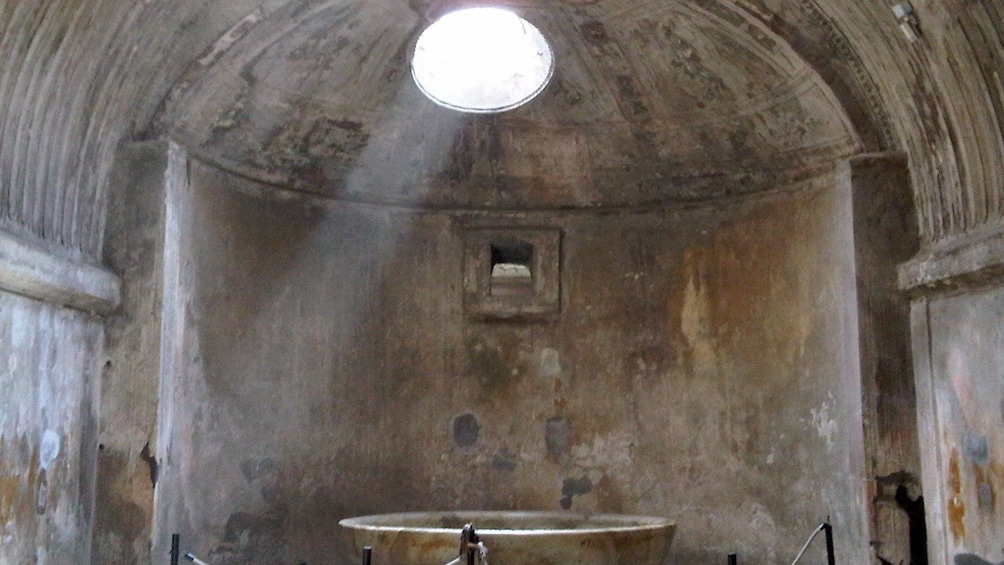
651	102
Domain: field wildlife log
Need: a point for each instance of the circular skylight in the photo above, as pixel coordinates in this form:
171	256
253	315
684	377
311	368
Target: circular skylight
482	60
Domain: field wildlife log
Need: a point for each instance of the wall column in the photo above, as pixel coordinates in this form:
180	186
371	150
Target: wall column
885	236
127	467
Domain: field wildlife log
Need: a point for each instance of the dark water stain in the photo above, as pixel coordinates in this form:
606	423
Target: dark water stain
572	487
465	430
970	559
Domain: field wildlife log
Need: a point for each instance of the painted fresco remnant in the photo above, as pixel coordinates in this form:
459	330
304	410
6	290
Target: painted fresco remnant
966	333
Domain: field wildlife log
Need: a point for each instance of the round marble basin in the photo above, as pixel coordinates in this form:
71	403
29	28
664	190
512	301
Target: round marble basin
513	538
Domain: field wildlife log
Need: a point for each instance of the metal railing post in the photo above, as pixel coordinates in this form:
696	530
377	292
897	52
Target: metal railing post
175	548
831	559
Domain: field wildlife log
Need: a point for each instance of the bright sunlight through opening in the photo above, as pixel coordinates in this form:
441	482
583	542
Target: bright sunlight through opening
482	60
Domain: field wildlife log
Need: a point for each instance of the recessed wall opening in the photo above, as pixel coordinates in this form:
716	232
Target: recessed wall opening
512	272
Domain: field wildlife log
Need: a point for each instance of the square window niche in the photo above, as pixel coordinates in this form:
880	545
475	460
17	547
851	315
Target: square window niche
512	273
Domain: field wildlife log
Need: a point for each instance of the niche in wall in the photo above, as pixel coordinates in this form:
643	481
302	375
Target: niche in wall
512	272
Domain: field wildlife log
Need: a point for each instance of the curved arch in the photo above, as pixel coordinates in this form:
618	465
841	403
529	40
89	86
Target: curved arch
260	103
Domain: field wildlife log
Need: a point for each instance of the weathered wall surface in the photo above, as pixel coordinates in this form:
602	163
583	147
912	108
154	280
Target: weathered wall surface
48	420
939	99
944	98
957	115
705	367
127	468
959	357
62	115
885	235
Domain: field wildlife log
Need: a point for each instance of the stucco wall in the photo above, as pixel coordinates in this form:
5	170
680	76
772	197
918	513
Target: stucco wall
958	356
48	371
127	467
704	367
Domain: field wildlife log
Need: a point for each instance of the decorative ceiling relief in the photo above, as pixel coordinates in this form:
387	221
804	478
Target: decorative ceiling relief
319	98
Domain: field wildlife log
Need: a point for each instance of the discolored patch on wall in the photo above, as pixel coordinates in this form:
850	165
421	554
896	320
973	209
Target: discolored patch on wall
42	493
504	460
117	515
557	435
17	488
594	32
572	487
630	100
976	448
971	559
490	366
956	508
466	430
257	537
550	362
985	496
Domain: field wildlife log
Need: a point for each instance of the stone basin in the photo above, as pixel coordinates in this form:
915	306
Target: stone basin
512	538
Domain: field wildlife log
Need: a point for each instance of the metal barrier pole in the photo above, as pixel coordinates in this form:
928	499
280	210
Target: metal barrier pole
831	559
175	548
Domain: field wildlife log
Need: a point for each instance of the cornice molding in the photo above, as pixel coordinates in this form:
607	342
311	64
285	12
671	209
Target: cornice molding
958	265
30	268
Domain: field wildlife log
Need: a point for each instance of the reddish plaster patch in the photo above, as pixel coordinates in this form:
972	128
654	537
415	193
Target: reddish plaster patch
956	508
16	498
